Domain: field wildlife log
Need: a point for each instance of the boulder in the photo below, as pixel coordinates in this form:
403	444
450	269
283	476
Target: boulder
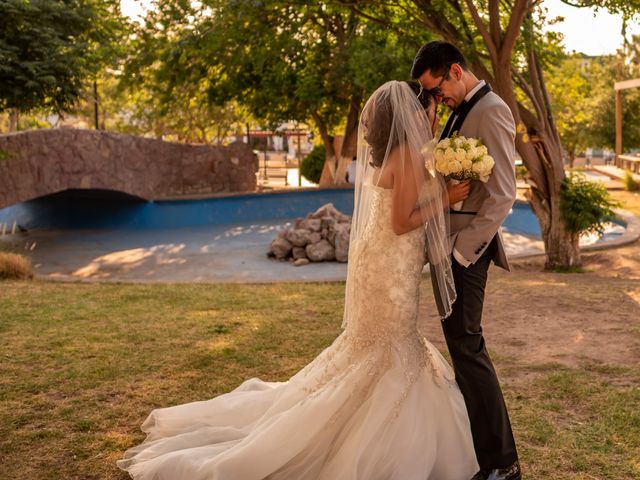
341	244
302	223
322	236
280	248
315	237
314	224
327	210
320	252
327	222
298	237
299	252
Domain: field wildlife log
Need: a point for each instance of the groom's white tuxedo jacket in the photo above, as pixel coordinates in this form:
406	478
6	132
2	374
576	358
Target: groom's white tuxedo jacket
491	120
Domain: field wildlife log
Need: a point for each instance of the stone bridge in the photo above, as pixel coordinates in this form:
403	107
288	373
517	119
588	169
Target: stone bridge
41	162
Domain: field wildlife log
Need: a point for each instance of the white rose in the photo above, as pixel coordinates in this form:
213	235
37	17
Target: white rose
488	162
467	164
484	178
457	142
455	167
472	153
478	168
441	166
444	144
438	154
449	154
473	142
460	155
482	150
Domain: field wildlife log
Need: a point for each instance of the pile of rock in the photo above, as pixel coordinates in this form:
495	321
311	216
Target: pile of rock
322	236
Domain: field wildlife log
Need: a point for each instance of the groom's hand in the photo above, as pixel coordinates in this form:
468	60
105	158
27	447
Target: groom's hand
458	192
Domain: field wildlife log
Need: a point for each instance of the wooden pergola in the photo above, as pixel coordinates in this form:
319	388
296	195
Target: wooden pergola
624	161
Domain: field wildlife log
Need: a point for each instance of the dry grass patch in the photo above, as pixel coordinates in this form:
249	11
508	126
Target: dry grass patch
14	267
629	200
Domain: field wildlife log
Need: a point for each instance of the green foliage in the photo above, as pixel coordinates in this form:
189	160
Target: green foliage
571	90
47	50
583	100
586	206
306	62
521	172
568	269
311	165
602	73
630	184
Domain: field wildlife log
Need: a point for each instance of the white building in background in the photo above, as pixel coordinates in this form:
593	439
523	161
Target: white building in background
289	139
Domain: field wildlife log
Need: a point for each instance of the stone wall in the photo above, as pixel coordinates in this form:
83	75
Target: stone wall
40	162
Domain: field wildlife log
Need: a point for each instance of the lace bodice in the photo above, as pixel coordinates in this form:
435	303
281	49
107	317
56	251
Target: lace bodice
383	296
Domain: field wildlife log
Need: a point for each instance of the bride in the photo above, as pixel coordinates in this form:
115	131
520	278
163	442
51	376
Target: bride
380	403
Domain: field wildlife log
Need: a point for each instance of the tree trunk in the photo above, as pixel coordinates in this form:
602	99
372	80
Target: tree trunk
13	119
329	169
562	247
95	105
543	160
350	142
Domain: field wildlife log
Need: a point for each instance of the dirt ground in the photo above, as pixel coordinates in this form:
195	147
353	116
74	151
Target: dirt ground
590	318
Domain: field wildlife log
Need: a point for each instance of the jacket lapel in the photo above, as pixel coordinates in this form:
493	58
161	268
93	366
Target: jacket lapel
455	124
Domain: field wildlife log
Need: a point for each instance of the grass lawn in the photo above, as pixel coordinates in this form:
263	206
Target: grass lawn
83	364
629	200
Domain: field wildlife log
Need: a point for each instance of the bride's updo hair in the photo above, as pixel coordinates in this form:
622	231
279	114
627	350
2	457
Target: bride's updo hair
381	120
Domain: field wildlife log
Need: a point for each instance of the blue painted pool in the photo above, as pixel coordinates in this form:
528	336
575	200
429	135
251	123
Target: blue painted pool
97	210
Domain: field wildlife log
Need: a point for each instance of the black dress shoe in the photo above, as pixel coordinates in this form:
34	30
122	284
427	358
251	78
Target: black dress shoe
512	472
481	475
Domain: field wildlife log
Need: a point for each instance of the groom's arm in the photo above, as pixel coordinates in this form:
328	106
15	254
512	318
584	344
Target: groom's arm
497	131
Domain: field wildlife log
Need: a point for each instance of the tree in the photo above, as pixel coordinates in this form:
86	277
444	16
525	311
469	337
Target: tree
310	62
505	46
571	86
582	99
47	50
604	72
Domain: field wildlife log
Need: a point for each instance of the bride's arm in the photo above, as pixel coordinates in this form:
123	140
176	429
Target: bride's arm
406	214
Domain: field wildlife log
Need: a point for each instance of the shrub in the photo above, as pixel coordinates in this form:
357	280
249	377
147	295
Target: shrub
14	267
586	206
629	182
311	165
521	172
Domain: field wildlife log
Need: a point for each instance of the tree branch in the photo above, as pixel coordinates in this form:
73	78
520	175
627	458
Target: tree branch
520	10
494	20
491	46
522	83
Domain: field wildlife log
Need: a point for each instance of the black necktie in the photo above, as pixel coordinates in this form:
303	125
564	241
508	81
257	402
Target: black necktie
459	108
458	115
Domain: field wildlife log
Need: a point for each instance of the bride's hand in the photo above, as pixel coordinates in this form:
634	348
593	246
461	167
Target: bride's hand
458	192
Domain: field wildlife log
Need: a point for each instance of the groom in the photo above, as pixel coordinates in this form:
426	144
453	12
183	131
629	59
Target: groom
476	241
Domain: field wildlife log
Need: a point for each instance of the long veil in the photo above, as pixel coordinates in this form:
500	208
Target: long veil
393	122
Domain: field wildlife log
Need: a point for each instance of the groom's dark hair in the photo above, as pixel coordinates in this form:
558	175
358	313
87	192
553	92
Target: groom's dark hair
437	57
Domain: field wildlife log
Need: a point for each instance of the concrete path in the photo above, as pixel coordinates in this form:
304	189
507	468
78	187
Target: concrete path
233	253
614	172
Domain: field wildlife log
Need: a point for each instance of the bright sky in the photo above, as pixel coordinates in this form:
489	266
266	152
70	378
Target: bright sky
586	33
134	8
582	31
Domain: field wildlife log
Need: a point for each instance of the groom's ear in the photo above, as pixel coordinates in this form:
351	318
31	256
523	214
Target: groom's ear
456	71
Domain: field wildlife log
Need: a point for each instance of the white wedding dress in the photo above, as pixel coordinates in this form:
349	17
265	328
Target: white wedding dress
380	403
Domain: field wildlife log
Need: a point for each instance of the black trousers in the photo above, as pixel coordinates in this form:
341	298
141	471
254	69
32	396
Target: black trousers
492	436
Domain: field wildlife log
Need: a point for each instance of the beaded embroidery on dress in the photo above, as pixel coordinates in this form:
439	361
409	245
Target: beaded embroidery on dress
380	403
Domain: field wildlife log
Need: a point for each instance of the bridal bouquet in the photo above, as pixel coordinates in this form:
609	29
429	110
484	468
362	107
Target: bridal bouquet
462	159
